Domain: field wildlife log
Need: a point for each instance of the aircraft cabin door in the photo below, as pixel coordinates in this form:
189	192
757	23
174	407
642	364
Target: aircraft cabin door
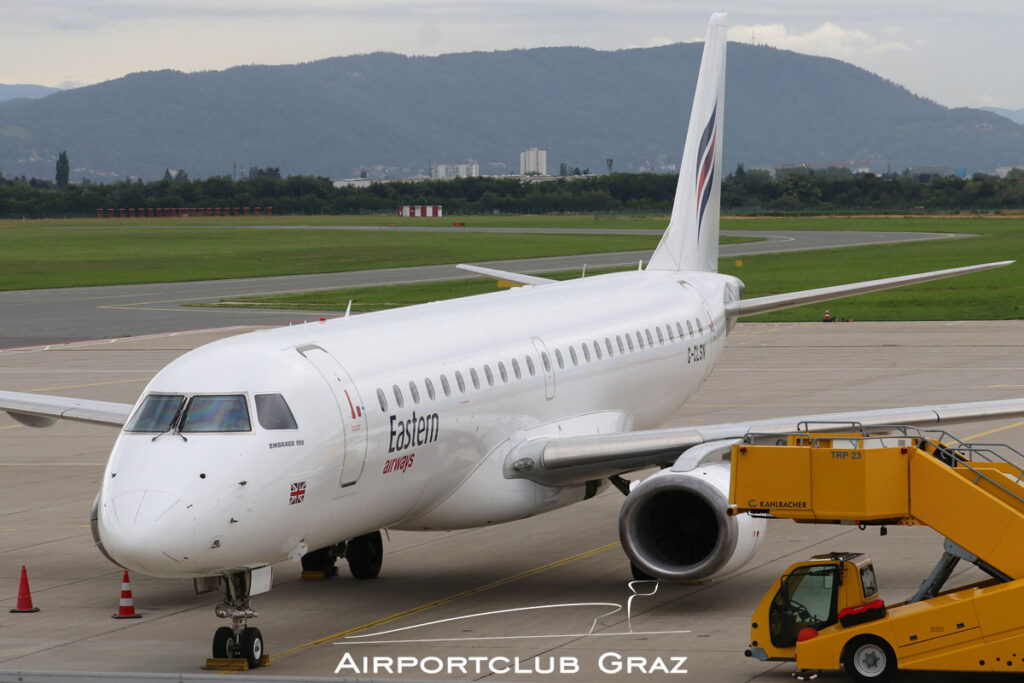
351	411
546	368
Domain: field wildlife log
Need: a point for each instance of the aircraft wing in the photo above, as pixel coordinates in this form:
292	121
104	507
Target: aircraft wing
42	410
777	302
507	275
576	459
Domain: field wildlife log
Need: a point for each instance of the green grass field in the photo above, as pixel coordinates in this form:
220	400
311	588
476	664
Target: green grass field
997	294
94	252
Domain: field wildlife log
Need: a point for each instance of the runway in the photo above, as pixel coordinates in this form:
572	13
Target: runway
49	316
48	480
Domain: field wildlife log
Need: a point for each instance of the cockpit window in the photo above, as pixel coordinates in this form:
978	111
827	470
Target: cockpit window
156	414
273	412
216	414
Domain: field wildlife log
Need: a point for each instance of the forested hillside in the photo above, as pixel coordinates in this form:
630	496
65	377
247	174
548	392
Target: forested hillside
390	114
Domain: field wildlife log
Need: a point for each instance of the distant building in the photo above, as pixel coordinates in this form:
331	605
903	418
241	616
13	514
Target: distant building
420	210
470	169
1002	171
533	161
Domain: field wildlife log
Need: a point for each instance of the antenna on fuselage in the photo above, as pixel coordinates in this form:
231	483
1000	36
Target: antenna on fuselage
348	309
584	273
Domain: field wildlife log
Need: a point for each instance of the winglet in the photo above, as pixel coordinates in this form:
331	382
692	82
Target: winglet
691	240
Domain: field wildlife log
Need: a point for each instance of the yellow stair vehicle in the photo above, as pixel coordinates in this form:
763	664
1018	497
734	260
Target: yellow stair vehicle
825	613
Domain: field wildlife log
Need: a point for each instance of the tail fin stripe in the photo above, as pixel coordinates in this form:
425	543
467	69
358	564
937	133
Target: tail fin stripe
704	199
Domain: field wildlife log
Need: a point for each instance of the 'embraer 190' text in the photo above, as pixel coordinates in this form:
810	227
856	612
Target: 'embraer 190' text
416	431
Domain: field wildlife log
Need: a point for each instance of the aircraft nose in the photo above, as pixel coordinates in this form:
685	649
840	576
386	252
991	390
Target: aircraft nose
152	531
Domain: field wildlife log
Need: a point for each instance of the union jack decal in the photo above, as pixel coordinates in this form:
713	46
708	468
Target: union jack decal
298	493
706	166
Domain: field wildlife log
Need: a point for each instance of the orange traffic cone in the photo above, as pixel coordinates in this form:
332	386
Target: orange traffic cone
126	609
828	316
24	595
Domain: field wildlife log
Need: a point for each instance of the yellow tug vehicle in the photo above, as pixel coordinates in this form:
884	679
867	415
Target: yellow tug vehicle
825	613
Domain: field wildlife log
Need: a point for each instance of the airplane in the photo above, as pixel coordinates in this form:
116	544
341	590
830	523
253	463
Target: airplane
304	442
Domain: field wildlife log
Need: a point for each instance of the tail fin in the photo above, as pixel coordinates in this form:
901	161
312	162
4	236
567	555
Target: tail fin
691	240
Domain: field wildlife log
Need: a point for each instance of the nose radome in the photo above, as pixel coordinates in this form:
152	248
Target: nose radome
153	531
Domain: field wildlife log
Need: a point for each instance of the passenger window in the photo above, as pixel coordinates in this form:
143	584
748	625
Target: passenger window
639	339
689	328
216	414
273	412
629	343
545	360
608	345
415	393
461	382
398	397
558	357
156	414
618	338
430	387
489	375
597	349
502	371
586	351
516	370
650	339
529	366
671	336
700	328
475	377
572	355
445	387
661	337
382	399
679	328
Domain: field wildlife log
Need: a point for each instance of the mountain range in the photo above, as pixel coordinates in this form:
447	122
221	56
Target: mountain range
389	114
11	92
1015	115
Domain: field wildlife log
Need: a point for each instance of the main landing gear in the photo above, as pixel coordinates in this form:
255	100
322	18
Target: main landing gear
365	554
238	640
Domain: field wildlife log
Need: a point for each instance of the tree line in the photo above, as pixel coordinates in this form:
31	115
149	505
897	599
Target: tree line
743	192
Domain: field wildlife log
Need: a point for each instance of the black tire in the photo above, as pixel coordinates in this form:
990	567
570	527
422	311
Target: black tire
869	659
639	574
252	646
223	643
365	554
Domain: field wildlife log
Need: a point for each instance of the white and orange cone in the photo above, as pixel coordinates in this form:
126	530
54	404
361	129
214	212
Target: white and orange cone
24	595
126	609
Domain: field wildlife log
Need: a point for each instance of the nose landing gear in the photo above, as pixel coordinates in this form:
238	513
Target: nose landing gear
238	641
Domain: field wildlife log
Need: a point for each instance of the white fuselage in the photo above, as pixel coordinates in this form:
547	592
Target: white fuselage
403	418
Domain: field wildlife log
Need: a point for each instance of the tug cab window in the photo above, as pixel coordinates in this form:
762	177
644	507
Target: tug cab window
806	599
216	414
156	414
273	412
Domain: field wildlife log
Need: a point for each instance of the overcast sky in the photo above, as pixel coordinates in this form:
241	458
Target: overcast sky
956	52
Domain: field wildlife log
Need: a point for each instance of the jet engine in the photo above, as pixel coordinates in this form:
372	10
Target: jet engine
674	525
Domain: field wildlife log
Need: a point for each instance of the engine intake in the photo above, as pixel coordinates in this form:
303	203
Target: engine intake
674	526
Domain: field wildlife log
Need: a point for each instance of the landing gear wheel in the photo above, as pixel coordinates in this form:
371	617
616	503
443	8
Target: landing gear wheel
224	643
365	555
322	561
639	574
869	659
252	646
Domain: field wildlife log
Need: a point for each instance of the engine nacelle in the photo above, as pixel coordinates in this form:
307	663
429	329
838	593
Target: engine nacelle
674	526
